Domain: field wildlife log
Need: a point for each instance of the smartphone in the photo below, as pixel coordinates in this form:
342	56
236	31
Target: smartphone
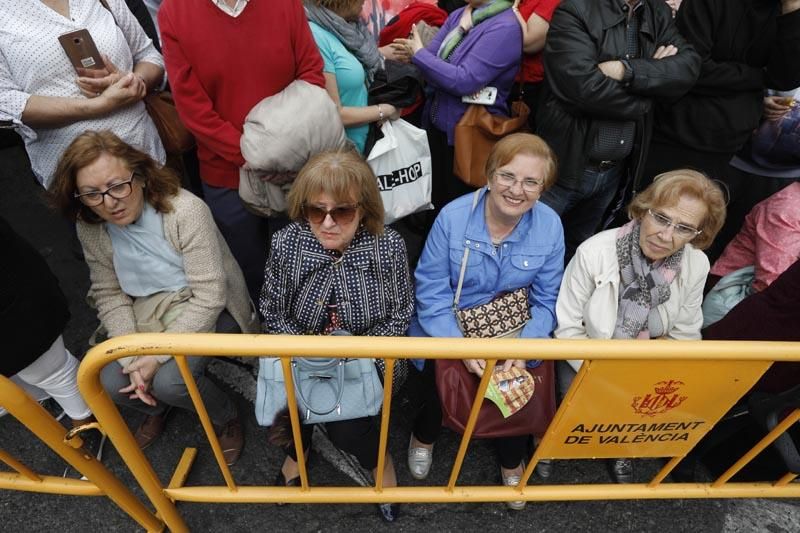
81	50
485	96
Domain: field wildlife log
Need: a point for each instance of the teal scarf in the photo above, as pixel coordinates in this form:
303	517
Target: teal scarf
456	35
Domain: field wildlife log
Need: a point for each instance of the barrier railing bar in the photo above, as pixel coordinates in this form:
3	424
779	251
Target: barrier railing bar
49	431
120	435
49	485
768	439
471	421
385	413
786	479
23	470
664	472
205	421
474	494
291	399
218	344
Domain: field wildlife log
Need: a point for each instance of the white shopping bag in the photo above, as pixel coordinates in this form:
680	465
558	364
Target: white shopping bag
401	161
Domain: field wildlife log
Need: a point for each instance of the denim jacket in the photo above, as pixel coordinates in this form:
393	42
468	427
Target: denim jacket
532	256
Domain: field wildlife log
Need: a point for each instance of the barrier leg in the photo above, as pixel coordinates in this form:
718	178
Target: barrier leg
291	401
117	430
205	421
8	459
471	421
385	412
49	431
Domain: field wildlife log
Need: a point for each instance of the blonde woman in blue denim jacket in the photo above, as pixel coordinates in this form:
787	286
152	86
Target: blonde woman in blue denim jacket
515	241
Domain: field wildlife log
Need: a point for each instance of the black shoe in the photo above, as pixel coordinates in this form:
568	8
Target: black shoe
389	511
281	481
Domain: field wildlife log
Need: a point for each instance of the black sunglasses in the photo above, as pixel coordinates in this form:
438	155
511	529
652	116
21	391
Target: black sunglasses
342	214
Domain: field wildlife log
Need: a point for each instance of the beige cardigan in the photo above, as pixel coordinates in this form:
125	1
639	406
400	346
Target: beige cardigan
214	277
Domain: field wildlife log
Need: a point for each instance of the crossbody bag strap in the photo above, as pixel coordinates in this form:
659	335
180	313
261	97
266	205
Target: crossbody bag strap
464	257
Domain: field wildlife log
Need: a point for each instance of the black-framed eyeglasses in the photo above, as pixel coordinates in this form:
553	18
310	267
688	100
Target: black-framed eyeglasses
118	191
341	214
506	179
681	230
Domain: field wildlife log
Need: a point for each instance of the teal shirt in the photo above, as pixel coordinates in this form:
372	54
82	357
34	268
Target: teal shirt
350	77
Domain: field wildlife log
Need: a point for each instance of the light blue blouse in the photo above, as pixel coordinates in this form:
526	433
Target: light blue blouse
144	261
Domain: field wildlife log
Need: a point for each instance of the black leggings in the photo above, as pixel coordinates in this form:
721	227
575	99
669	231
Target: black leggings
359	437
428	424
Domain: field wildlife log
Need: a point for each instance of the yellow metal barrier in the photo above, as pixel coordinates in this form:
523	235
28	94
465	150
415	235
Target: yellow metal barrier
100	481
182	345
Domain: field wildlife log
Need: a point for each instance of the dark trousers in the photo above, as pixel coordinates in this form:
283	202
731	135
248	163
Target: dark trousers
582	208
428	424
247	234
359	437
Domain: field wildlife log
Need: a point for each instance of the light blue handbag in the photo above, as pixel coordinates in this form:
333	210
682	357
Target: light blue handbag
727	293
327	390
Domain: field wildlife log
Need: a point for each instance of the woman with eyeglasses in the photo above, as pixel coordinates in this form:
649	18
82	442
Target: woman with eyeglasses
337	270
515	242
645	279
157	263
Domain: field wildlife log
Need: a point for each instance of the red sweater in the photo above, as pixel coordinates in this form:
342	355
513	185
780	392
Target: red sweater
220	67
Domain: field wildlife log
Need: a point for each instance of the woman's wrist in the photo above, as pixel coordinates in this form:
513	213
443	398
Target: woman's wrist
380	113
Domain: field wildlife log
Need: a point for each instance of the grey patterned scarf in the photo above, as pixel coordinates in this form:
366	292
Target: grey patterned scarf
643	286
354	36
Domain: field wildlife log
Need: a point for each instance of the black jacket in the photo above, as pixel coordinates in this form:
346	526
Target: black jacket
746	46
584	33
33	310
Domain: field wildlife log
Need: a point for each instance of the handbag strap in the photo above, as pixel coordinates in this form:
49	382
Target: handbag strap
337	404
464	257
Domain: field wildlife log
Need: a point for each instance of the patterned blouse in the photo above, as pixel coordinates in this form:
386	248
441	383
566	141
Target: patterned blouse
371	282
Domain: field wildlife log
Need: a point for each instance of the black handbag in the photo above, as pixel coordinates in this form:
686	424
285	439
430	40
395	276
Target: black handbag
398	84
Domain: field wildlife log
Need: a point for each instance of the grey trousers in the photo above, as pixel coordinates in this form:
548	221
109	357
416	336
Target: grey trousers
169	389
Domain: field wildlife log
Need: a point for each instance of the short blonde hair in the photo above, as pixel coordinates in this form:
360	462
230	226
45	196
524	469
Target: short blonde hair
345	176
510	146
667	189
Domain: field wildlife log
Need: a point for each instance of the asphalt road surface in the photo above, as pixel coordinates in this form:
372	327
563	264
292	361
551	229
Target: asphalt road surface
22	204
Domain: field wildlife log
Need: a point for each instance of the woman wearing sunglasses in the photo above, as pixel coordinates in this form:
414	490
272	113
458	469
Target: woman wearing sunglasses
645	279
157	263
514	242
337	269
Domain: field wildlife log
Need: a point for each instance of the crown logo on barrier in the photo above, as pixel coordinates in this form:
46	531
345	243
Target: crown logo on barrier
668	387
664	399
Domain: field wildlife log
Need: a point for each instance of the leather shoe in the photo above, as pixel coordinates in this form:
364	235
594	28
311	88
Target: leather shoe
388	511
622	470
150	430
419	460
231	440
512	481
544	468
